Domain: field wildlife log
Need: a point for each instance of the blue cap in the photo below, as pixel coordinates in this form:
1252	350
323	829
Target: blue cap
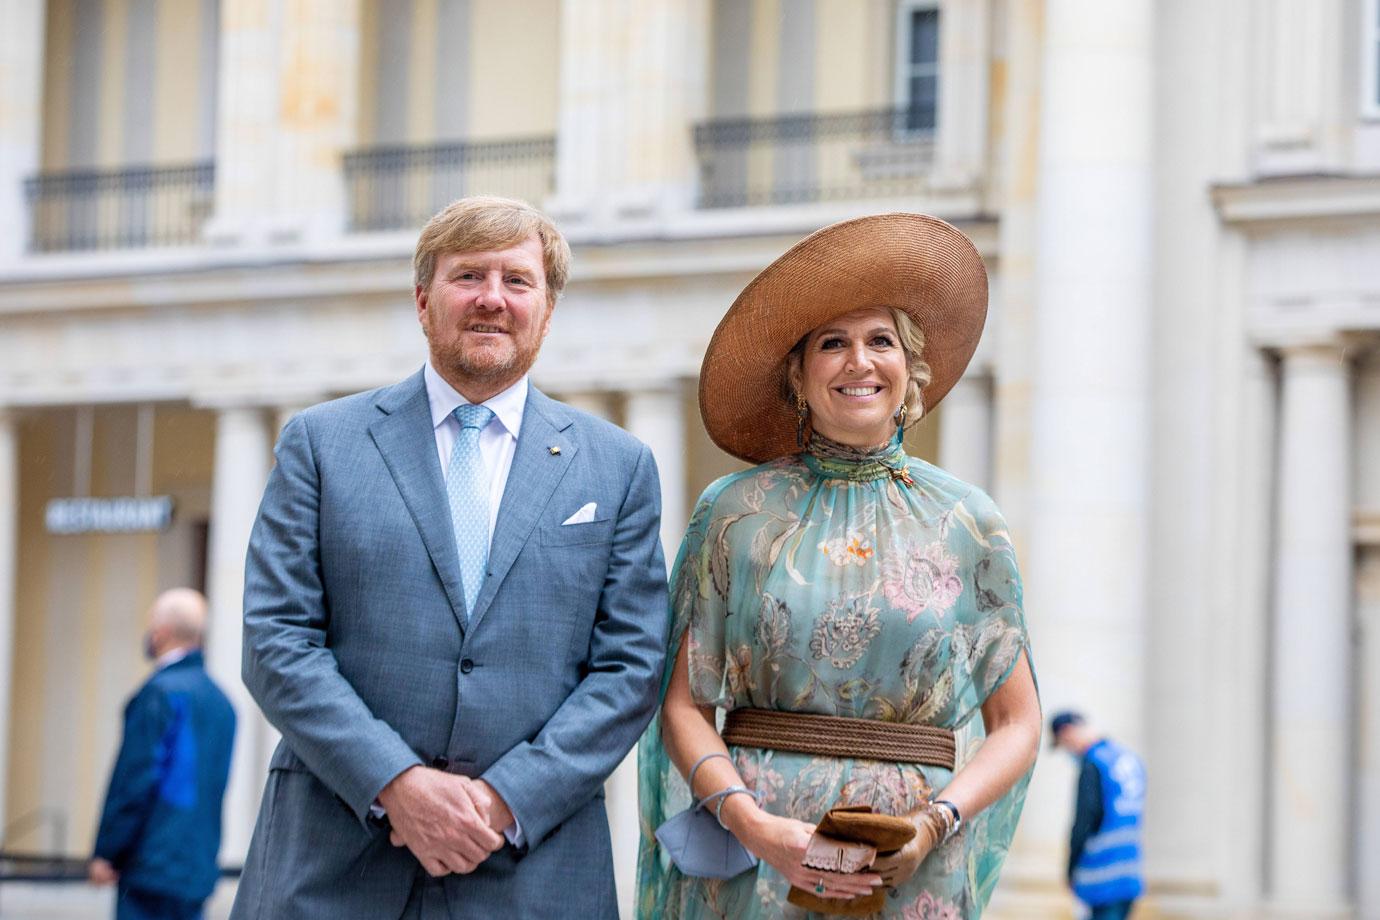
1062	720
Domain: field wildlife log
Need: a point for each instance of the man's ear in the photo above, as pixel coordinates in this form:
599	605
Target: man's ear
419	295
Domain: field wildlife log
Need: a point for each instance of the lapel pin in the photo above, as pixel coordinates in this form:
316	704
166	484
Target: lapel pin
555	451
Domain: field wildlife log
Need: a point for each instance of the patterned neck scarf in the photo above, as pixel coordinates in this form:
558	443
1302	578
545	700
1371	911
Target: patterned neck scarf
831	460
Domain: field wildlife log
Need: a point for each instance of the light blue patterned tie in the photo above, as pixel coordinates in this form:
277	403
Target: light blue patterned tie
467	485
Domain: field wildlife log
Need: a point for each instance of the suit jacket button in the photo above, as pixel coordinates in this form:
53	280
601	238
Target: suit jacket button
466	666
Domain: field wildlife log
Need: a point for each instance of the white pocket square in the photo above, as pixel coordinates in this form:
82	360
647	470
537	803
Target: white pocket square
583	516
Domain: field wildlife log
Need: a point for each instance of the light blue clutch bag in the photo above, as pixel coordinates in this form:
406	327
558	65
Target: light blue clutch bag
698	844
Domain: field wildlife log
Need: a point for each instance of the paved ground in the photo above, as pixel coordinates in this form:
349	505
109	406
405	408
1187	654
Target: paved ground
28	901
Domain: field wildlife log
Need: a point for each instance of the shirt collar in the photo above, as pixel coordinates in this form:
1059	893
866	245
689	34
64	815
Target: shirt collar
171	657
508	406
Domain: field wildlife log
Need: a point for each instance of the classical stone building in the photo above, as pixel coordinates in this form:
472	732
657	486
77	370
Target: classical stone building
208	209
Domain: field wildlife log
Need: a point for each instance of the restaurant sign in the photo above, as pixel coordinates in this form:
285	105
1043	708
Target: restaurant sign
109	515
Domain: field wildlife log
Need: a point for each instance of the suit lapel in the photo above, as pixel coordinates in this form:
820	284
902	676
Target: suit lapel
407	440
532	479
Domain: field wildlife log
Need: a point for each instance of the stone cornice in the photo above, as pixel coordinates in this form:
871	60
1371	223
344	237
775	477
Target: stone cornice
379	265
1297	198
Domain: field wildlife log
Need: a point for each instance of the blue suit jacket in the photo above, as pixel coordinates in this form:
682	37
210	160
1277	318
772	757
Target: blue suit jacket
160	827
358	646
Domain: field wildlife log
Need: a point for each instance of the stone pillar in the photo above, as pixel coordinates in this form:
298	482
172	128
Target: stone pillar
655	416
964	104
9	562
1087	544
1304	112
1310	685
21	110
1028	874
1367	724
632	85
242	457
287	112
1367	709
965	430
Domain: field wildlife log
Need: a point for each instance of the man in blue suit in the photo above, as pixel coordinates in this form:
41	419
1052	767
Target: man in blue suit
455	612
160	828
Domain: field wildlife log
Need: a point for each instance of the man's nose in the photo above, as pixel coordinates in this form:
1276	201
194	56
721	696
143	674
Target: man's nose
491	291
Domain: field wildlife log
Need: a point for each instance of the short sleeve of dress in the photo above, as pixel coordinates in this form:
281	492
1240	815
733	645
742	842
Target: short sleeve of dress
998	635
700	596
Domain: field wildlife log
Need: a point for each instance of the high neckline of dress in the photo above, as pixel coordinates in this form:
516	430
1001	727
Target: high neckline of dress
829	459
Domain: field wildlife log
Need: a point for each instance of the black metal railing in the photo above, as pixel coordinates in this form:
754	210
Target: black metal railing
120	208
393	188
789	159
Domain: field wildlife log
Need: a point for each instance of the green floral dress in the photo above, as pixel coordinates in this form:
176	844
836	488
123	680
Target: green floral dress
871	585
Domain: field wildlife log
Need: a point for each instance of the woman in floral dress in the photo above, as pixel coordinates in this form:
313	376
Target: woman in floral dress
843	579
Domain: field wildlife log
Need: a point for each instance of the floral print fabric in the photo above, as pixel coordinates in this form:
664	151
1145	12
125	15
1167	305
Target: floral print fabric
870	585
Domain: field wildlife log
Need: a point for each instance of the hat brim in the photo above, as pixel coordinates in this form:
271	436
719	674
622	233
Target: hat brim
913	262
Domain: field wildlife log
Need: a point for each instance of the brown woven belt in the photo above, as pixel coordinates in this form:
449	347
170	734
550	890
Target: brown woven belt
835	736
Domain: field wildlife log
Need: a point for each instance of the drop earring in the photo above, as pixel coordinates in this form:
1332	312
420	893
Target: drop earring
802	415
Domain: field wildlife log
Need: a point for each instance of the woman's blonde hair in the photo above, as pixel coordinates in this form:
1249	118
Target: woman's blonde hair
484	222
912	343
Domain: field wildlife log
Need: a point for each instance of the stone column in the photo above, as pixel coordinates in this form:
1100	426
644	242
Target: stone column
1087	544
9	561
1310	685
1303	111
965	430
246	121
21	110
242	457
1367	708
632	85
1367	724
656	416
964	105
287	112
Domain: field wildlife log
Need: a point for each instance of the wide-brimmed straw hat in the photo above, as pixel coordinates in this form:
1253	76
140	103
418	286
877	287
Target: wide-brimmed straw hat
914	262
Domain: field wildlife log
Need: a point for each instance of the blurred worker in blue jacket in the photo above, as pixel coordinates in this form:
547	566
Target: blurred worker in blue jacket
160	828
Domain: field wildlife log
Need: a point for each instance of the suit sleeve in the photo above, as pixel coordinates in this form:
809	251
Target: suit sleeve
546	780
134	781
287	664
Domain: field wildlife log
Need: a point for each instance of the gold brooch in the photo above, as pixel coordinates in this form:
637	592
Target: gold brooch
555	451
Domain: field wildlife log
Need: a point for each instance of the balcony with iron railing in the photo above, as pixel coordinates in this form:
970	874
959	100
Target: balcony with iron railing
103	209
803	158
400	187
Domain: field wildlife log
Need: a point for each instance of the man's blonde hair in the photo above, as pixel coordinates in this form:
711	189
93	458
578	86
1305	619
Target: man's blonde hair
485	222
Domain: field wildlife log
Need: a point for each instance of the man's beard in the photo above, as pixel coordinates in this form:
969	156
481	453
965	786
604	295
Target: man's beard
484	365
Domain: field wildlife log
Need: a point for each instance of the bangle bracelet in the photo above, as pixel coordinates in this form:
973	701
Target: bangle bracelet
952	819
722	795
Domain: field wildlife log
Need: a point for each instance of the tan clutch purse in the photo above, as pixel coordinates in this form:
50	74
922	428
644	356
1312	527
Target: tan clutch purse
848	839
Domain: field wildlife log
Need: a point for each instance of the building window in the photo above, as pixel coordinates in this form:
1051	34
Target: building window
1370	93
917	62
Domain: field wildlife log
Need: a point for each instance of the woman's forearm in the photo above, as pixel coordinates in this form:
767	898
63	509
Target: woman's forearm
1011	716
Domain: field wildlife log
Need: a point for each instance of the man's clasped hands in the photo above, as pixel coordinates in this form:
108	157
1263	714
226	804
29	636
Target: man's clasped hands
451	823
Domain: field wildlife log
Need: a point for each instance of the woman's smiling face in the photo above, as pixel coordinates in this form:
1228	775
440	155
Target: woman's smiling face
853	375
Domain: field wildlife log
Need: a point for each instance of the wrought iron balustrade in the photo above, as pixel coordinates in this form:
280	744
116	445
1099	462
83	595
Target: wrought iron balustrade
92	209
399	187
790	159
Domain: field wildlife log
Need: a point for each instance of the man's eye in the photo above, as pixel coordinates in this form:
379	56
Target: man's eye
517	280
